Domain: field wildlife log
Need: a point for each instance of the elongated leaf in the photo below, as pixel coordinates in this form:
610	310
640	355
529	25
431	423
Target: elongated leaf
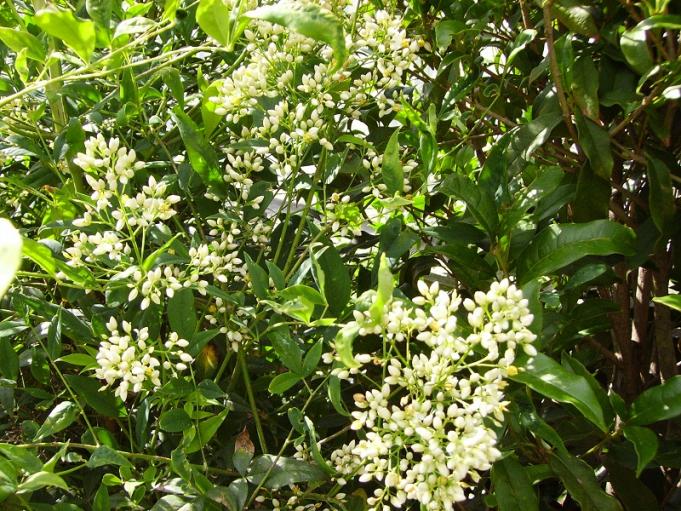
393	172
281	471
41	480
634	45
645	443
100	11
77	34
584	87
661	195
103	402
206	431
282	382
201	155
43	257
174	420
214	18
9	360
17	40
287	350
672	301
105	455
479	201
580	480
61	417
512	486
547	377
337	283
343	342
309	20
596	144
576	16
562	244
658	403
181	313
258	276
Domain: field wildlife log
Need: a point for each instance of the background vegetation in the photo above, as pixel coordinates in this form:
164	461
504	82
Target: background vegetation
288	161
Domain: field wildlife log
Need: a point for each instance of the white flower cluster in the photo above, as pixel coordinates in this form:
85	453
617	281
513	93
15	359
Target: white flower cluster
427	429
129	358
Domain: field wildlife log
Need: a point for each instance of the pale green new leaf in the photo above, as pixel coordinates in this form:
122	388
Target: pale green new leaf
76	33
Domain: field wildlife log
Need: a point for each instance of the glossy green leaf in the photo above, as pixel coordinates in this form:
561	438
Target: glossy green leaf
206	431
259	279
312	358
42	256
343	342
102	401
658	403
672	301
661	195
479	201
100	11
282	382
632	492
309	20
595	142
392	170
576	16
16	40
9	360
215	19
584	86
174	421
279	471
76	33
337	282
512	486
287	350
562	244
61	417
105	455
547	377
645	443
202	156
633	43
580	481
182	314
41	480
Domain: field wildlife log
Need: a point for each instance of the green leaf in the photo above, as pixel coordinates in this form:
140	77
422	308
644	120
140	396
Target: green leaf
584	86
10	254
182	314
309	20
299	302
633	493
208	115
100	12
343	342
76	33
102	401
259	279
174	421
562	244
672	301
202	156
479	201
41	480
658	403
634	45
512	486
287	350
61	417
312	358
661	196
393	172
595	141
215	19
384	292
8	479
576	16
17	39
279	471
232	497
105	455
282	382
547	377
9	360
43	257
645	443
580	481
100	501
337	283
206	431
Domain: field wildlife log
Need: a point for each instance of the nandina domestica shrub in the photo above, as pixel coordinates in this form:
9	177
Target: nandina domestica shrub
339	255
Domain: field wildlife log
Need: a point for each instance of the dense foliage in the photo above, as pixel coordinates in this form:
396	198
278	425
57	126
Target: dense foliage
339	255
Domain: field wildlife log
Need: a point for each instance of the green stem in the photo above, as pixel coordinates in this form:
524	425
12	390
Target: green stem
251	400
